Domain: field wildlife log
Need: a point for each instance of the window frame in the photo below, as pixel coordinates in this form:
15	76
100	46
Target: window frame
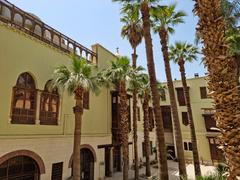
185	145
184	120
180	97
203	92
46	117
23	111
58	165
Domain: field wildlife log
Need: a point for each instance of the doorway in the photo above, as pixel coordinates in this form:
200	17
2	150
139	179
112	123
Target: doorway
87	164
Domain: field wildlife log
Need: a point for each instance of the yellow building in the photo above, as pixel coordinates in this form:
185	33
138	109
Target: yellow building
36	124
205	125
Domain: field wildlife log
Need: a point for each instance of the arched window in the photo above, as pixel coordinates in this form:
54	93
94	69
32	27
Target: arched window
24	100
49	105
20	167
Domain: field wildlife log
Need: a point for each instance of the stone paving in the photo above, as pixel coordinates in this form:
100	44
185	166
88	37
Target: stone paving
173	172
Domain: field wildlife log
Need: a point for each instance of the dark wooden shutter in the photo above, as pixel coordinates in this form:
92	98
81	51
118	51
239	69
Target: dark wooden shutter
86	100
57	169
115	119
185	146
209	122
203	92
181	97
167	118
185	120
190	146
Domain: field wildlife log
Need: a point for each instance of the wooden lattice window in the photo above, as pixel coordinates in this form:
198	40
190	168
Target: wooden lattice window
185	120
57	170
23	110
167	118
49	106
216	153
203	92
86	99
20	167
181	97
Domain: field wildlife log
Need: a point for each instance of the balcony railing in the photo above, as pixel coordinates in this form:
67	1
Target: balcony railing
28	23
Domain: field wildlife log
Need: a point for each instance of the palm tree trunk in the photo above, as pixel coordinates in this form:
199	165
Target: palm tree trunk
238	69
124	127
78	111
162	154
196	160
145	107
221	79
134	64
177	128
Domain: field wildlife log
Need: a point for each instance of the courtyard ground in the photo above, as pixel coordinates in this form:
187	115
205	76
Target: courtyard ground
173	172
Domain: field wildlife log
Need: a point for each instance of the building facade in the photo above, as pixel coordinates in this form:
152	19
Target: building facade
205	125
37	124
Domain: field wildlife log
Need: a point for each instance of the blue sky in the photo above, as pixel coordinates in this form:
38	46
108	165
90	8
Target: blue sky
97	21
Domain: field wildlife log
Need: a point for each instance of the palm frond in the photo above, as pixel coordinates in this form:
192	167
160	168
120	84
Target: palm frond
79	74
166	17
183	50
132	28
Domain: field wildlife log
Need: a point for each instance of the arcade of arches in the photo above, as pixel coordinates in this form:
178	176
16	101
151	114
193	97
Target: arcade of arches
27	165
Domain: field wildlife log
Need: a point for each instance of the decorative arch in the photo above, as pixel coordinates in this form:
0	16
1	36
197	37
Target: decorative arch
32	76
82	147
27	153
24	100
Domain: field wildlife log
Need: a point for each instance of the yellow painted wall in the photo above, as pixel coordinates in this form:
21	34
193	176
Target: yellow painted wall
197	104
21	53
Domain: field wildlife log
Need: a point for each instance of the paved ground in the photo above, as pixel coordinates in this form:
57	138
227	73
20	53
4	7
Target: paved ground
173	172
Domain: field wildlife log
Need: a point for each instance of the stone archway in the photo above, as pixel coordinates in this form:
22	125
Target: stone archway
88	159
26	153
81	147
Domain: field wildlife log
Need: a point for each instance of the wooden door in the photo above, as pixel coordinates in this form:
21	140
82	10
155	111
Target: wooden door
87	164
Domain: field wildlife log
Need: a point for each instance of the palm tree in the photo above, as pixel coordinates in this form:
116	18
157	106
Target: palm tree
162	153
145	13
142	84
231	13
164	19
180	53
117	75
132	30
222	85
233	38
76	79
